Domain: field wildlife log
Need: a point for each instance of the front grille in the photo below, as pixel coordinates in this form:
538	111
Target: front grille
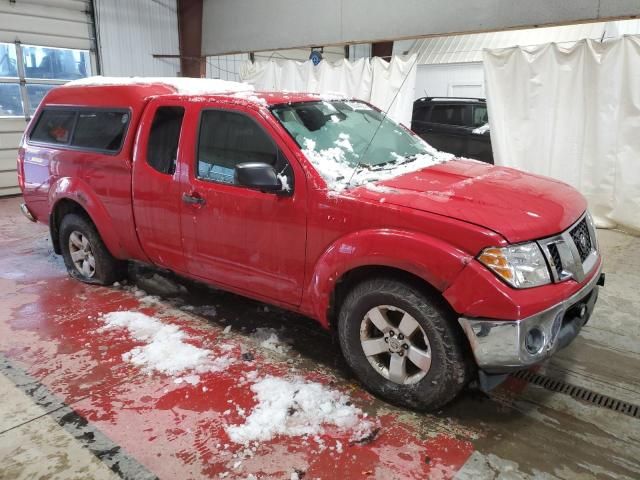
555	258
582	239
572	253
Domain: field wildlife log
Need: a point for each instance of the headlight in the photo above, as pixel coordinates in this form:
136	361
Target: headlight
521	266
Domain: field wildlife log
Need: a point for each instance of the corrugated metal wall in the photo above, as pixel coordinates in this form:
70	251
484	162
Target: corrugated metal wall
46	23
130	32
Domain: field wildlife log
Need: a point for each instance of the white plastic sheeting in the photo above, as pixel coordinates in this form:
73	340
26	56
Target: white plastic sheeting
572	114
387	85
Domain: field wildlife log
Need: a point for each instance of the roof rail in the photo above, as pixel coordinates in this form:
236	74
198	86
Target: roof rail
477	99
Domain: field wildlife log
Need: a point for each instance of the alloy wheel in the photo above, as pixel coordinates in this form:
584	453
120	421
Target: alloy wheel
395	344
82	254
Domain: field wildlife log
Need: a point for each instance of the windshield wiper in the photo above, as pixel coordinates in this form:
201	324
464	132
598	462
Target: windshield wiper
393	163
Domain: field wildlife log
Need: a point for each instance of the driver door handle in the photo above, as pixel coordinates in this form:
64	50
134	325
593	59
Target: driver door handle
193	199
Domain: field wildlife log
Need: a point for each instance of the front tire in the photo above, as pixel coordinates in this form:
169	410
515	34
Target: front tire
403	344
85	255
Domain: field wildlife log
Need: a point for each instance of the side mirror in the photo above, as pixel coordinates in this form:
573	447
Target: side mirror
258	175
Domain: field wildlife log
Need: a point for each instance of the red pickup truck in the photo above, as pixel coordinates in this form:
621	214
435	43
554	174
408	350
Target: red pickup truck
433	271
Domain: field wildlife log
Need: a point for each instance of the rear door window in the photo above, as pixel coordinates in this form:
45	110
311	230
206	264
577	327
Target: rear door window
54	126
100	130
162	150
448	114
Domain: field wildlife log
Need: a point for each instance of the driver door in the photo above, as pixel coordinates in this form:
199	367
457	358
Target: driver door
249	241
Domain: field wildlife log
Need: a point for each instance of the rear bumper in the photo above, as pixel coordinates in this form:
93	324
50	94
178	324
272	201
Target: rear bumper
26	212
500	346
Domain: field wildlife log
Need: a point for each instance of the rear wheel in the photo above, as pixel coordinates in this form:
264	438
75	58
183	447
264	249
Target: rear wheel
85	255
402	344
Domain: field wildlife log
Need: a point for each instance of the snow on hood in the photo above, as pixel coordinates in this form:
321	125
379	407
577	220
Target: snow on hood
182	85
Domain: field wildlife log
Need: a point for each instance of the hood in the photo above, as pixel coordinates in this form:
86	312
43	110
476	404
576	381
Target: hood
518	205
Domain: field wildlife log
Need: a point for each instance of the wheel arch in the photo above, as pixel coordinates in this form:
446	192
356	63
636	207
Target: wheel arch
62	207
418	259
353	277
72	195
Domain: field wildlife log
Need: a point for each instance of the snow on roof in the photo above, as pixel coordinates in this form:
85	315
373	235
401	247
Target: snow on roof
182	85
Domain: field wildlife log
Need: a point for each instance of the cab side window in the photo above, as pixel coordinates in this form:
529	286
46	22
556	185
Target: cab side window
54	126
229	138
162	149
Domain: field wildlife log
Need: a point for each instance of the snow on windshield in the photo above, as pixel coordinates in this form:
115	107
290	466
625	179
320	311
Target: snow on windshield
350	144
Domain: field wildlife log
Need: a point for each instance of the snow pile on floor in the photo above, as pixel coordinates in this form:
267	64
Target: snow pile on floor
268	338
296	408
332	165
182	85
166	349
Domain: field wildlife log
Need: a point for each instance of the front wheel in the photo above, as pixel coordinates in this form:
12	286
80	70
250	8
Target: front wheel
85	255
402	345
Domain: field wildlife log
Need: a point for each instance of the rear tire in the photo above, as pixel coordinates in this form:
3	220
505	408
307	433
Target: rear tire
85	254
421	361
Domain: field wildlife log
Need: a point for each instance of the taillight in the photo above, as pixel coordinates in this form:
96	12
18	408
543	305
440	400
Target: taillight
21	168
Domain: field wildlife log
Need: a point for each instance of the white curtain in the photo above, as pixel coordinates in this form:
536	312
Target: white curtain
387	85
572	114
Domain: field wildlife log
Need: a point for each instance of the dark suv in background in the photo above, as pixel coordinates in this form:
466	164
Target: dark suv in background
455	125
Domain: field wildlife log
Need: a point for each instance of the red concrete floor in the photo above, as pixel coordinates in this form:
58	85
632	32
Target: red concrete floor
50	329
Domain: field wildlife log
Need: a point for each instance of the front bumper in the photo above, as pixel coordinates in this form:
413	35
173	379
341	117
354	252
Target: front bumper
500	346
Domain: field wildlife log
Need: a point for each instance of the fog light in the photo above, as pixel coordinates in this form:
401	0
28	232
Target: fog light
534	343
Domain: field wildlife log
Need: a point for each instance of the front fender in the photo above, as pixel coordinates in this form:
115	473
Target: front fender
80	192
427	257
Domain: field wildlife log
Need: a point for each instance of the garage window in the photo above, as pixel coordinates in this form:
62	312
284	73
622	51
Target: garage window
55	63
10	100
28	72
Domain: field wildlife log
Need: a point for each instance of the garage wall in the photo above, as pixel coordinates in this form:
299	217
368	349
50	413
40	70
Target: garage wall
130	32
63	24
451	80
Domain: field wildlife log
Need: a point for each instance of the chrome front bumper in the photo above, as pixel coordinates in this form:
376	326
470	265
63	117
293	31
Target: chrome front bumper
500	346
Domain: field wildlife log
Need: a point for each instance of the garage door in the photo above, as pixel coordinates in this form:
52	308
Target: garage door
43	43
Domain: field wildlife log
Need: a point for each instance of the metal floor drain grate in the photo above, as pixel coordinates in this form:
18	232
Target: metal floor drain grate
580	393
